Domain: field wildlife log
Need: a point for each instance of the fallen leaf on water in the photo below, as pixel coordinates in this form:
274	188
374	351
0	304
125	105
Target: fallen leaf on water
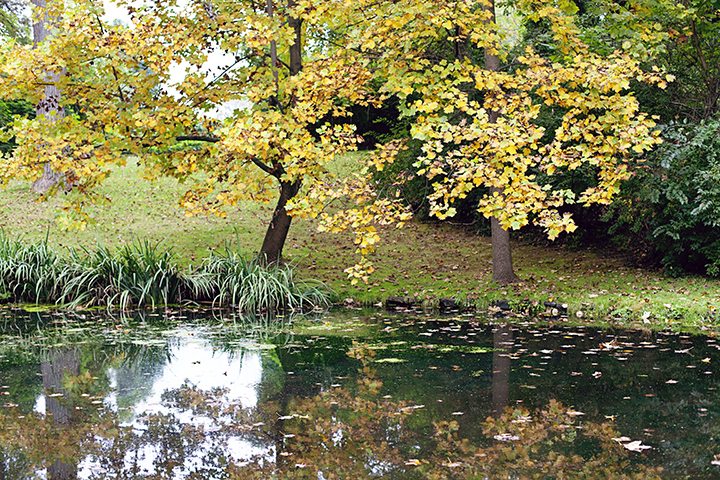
506	437
706	360
452	465
636	446
622	439
671	381
412	461
412	407
575	414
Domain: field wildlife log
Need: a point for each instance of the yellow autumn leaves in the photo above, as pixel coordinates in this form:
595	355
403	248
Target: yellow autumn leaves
479	127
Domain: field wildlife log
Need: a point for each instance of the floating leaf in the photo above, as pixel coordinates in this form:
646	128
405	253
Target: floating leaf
636	446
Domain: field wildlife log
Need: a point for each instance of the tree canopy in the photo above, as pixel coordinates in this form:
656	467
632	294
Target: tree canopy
296	63
118	82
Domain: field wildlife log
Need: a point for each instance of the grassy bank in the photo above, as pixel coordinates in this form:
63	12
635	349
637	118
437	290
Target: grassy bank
426	260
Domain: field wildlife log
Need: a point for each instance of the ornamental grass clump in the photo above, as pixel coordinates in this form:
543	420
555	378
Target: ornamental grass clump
143	274
250	286
139	274
29	273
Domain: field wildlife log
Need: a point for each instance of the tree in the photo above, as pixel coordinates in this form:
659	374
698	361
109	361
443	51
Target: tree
479	120
119	82
503	271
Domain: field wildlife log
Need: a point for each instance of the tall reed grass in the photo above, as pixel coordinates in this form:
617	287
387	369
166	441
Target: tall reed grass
28	273
250	286
143	274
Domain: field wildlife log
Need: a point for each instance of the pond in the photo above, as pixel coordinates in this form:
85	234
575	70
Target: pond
365	394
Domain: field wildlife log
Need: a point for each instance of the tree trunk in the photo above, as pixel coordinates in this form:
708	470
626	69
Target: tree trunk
48	109
503	272
271	251
296	48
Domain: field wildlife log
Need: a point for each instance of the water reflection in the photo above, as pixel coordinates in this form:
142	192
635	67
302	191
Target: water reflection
368	397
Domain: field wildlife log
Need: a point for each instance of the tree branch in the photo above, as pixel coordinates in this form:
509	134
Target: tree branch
262	166
197	138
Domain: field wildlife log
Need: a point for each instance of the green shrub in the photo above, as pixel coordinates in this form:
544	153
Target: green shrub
671	207
29	273
139	274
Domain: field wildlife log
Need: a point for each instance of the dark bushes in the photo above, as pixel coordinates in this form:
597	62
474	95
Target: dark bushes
670	209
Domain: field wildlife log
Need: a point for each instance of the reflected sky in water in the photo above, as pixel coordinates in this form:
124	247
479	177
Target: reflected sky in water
660	389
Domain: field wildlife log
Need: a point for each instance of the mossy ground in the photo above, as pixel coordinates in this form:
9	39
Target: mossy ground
425	259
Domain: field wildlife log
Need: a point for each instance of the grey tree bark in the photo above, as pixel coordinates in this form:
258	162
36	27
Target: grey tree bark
49	107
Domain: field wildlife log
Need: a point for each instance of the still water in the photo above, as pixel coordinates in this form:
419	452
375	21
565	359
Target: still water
182	394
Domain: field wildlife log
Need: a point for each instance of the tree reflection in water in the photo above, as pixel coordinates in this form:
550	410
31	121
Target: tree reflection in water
61	363
342	432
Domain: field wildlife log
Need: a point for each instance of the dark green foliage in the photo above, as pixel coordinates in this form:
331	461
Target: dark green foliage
376	124
673	202
143	274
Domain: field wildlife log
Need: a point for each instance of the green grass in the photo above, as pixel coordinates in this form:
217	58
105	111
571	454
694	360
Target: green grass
427	260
